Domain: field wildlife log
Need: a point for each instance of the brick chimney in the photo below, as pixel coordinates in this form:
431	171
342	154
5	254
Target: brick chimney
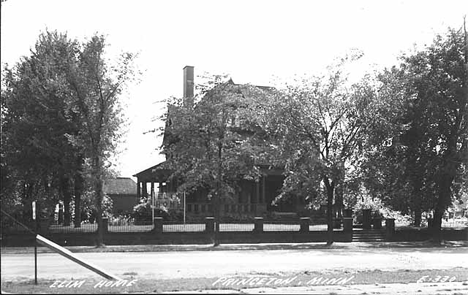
189	84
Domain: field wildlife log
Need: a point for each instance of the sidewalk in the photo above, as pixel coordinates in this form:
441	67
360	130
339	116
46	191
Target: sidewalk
237	247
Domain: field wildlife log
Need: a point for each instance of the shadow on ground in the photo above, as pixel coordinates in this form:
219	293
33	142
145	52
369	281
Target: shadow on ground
355	246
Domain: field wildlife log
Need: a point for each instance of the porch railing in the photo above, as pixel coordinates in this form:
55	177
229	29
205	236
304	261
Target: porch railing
200	208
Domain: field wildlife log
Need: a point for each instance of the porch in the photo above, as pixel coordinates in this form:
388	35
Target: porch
252	197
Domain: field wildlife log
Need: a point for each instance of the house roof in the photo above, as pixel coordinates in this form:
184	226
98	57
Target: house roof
162	171
159	172
120	186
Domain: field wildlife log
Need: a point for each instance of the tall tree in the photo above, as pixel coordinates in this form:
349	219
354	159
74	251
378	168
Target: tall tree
385	172
36	118
427	154
96	85
63	117
320	122
438	79
209	142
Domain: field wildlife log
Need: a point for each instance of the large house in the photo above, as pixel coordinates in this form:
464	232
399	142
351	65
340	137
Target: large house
254	198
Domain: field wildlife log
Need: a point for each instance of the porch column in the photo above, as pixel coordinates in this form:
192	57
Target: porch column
160	187
138	189
145	190
152	188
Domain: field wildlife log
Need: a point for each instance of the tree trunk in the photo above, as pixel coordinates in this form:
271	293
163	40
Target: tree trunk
339	201
65	188
437	225
217	205
49	197
417	217
100	230
339	192
443	202
417	195
330	188
99	183
78	187
217	218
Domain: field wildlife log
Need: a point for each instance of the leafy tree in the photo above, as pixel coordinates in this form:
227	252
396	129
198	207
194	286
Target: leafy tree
384	172
36	119
320	123
427	153
209	140
438	80
96	85
62	117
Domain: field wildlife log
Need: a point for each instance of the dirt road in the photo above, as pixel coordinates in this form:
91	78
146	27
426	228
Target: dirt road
212	264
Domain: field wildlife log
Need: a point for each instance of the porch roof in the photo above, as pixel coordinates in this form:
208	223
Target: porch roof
161	172
156	173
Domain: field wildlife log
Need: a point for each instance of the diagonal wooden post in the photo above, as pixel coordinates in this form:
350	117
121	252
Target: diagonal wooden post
66	253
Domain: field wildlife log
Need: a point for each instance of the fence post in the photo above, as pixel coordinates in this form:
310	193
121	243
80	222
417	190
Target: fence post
258	224
377	223
366	218
348	213
158	224
389	228
209	224
305	221
105	225
347	224
337	223
348	227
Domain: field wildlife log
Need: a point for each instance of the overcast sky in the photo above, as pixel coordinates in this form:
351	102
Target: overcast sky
252	41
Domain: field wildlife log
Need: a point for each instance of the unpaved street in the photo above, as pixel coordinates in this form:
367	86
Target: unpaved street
206	264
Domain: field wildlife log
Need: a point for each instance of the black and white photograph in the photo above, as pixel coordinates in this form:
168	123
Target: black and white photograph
234	147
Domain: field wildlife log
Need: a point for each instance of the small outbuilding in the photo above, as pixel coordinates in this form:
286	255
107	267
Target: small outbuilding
122	191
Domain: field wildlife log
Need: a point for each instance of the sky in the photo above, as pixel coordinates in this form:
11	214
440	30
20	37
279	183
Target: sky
256	41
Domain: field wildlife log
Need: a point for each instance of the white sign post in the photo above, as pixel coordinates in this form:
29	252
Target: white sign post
34	210
35	243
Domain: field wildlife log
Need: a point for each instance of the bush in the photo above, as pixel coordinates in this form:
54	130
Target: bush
142	214
122	219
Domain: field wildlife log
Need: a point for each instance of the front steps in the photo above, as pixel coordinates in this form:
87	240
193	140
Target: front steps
368	235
